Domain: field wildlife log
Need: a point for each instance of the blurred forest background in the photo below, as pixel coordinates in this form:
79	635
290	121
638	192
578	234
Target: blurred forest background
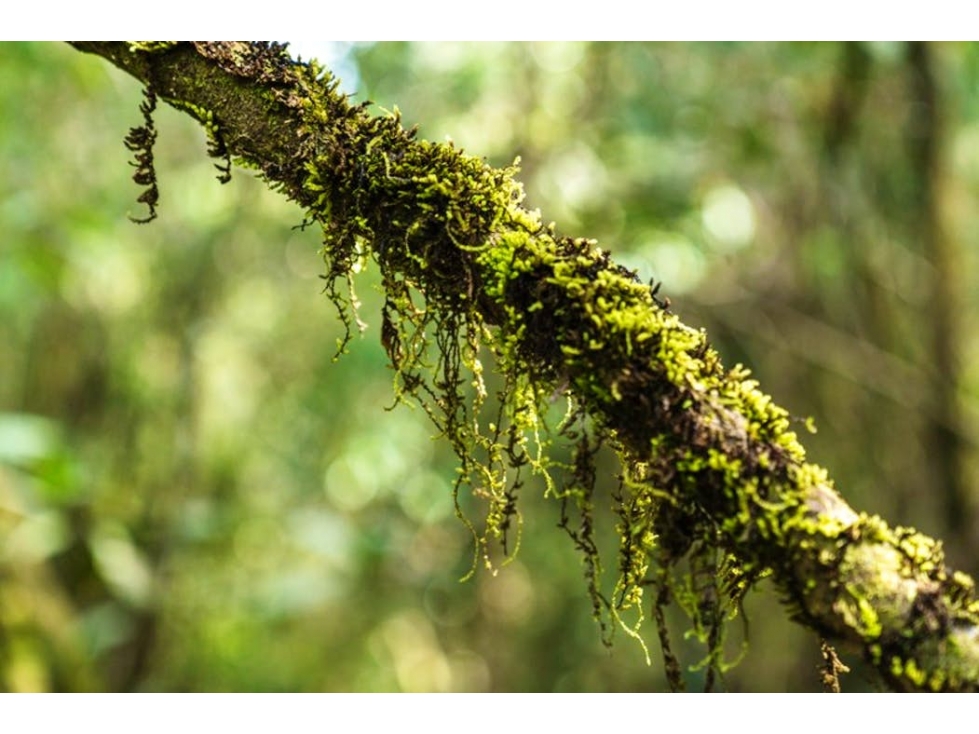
193	496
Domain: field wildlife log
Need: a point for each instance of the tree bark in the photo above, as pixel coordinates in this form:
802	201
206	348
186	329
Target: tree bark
689	430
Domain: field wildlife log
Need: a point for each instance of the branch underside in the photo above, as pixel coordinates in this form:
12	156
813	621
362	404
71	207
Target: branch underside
705	454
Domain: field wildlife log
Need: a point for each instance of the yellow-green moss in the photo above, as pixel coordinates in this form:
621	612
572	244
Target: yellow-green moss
151	47
714	489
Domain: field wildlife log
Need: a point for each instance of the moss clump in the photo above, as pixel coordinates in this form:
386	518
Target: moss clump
151	47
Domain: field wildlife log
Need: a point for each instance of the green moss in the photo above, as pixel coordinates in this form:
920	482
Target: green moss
909	670
140	140
216	147
152	47
714	489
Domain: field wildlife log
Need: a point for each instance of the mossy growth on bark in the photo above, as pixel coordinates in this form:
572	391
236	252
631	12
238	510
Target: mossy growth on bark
713	489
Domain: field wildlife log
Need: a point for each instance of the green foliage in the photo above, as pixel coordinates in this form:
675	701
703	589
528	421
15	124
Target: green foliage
197	435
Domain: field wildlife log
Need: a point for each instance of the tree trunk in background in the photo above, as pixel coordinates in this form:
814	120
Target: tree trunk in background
926	134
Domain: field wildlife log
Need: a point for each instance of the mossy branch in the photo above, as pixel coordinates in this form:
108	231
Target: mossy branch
711	470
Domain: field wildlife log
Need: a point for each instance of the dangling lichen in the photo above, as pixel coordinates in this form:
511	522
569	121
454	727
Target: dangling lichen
140	140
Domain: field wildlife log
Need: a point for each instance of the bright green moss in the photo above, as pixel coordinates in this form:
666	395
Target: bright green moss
909	669
152	47
714	492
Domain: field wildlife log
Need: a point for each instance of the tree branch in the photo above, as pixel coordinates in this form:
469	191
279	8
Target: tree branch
706	454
